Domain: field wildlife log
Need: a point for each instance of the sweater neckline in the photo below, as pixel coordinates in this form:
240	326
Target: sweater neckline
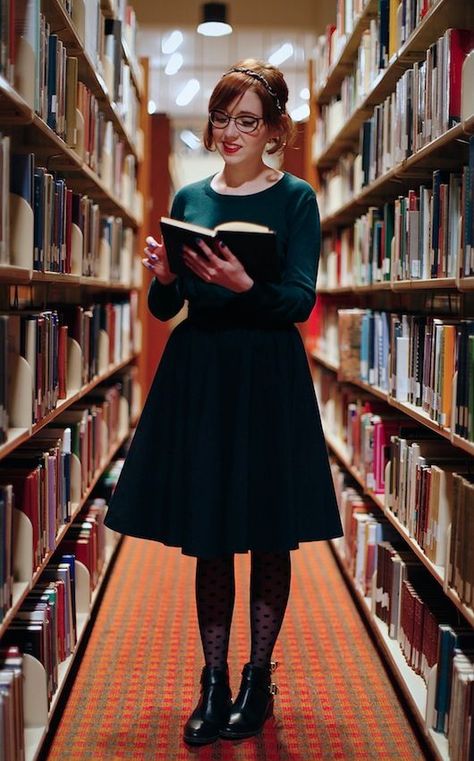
214	194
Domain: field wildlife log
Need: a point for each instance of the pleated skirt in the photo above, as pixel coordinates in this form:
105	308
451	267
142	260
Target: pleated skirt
229	453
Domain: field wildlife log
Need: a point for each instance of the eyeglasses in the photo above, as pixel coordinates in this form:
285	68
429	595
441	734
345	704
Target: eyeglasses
243	123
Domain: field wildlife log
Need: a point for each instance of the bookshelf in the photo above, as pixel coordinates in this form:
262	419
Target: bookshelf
446	297
107	173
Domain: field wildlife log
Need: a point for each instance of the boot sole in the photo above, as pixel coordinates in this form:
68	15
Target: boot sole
197	741
244	735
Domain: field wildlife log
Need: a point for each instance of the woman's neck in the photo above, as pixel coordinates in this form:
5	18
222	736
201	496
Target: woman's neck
235	176
246	178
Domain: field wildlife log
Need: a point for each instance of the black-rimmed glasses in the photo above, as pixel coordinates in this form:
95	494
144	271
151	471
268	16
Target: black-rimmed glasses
244	123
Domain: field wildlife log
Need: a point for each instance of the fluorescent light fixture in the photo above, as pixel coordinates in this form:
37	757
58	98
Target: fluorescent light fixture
151	106
190	139
190	89
300	113
214	20
174	64
304	93
172	42
282	54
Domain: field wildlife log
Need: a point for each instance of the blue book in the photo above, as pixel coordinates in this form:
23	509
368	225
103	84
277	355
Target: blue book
383	33
449	640
38	211
52	81
22	169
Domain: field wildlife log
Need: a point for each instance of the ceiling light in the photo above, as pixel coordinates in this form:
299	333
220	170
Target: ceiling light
300	113
190	139
188	92
174	64
304	93
282	54
214	20
171	43
151	106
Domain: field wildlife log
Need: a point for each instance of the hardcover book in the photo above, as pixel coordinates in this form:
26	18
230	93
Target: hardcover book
254	245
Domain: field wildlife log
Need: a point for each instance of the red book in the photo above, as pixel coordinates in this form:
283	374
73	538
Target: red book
68	228
460	42
62	361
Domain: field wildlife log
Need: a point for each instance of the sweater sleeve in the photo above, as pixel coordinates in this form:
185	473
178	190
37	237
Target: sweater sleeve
165	301
293	299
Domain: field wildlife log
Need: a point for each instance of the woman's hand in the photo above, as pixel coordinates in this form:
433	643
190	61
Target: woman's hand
157	261
224	270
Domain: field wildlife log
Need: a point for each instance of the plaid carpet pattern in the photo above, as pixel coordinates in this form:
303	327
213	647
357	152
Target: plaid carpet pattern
139	677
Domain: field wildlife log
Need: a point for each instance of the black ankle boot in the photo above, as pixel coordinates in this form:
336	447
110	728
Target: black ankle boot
253	705
213	708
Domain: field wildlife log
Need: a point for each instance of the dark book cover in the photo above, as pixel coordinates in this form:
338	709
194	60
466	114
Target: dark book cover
257	251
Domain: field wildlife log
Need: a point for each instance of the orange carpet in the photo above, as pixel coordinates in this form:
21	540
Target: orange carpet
138	680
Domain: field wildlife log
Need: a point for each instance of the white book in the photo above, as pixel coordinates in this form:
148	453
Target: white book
401	380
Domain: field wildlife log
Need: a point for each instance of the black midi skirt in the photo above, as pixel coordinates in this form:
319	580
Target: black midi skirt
229	453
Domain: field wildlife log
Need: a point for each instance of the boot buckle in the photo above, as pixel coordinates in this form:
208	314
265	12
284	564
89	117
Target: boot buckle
273	689
273	666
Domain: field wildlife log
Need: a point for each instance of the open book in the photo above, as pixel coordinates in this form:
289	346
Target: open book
254	245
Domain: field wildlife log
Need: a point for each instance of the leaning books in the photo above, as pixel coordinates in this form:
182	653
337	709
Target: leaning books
254	245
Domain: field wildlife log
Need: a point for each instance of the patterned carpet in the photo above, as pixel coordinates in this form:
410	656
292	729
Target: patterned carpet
138	680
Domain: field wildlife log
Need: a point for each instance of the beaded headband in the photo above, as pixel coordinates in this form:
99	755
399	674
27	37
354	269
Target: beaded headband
263	80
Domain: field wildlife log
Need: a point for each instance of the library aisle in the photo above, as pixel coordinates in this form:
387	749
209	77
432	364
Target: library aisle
138	679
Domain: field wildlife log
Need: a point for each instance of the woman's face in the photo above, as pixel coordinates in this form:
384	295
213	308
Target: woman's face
235	146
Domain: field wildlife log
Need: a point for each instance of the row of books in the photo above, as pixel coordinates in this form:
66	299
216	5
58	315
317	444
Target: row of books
40	364
426	102
46	624
414	358
12	720
414	610
47	77
49	227
425	482
46	476
428	233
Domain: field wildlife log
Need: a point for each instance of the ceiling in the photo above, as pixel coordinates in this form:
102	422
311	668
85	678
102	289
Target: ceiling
259	29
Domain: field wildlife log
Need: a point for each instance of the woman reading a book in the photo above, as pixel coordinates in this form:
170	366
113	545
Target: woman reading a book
229	454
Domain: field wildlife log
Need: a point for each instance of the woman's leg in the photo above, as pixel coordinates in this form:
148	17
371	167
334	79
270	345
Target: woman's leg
215	595
269	590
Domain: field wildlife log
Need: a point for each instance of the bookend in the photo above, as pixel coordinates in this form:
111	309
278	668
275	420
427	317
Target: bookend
21	232
74	366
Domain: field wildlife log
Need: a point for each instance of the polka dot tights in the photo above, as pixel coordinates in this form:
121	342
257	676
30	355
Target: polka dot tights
215	594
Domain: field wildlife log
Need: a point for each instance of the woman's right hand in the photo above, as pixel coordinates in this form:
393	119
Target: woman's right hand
157	261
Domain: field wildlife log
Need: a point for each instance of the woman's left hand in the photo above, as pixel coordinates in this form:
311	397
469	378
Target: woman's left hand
224	270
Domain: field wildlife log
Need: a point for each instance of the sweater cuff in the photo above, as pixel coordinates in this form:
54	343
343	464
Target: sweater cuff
252	295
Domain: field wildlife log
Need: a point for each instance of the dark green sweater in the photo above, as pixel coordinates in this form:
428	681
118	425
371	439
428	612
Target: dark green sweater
289	207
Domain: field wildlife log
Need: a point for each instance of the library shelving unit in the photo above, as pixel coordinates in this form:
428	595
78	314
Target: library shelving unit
23	284
401	296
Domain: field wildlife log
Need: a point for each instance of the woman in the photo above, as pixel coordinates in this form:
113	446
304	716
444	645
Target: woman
229	454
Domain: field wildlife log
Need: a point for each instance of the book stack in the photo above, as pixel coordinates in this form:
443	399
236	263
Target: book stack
12	723
63	231
45	626
85	539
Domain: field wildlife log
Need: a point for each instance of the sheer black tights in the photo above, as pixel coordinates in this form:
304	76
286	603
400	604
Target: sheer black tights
215	594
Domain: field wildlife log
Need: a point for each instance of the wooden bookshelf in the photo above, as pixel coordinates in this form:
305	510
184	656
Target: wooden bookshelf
416	413
437	572
387	185
347	55
448	152
26	588
431	27
29	133
63	25
412	685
